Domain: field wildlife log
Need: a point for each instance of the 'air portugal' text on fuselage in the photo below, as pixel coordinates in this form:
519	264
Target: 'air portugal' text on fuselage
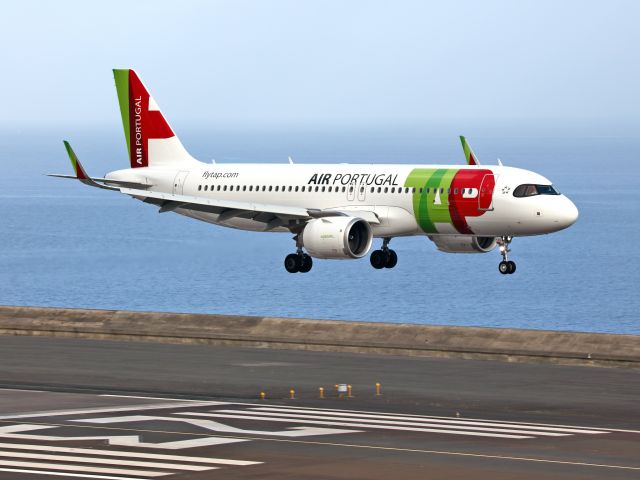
332	211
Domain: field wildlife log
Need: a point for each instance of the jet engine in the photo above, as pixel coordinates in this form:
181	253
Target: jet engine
337	237
463	243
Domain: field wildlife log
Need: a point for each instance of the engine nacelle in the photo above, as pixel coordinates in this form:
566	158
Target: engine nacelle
337	237
464	243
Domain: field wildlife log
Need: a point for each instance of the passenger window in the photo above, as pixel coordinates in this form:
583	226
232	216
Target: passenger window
455	191
206	187
199	187
372	189
386	189
329	190
421	190
317	189
323	189
217	188
270	187
251	188
379	189
225	188
393	189
290	188
303	188
277	188
413	190
296	188
244	188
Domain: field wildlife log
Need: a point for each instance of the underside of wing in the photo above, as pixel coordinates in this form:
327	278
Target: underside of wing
272	215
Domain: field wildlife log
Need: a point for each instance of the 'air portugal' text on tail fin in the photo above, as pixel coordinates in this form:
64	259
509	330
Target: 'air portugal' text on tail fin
150	140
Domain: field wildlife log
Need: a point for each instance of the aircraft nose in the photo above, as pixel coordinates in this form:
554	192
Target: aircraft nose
567	214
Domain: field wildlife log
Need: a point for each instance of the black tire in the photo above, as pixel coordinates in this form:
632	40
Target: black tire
292	263
378	259
512	266
503	267
392	259
306	264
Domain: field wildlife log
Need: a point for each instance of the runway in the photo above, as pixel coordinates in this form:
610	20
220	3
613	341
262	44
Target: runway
73	408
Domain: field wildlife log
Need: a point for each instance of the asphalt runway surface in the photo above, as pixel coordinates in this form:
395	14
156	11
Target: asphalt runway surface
73	408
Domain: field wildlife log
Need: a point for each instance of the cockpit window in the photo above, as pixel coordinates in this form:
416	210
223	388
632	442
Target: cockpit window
529	190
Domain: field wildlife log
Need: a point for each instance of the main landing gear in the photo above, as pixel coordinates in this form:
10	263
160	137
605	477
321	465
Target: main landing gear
506	266
299	261
385	257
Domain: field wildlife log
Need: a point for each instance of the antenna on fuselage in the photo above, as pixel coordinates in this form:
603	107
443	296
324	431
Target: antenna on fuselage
290	160
500	162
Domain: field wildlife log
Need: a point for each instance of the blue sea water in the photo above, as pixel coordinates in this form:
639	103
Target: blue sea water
64	244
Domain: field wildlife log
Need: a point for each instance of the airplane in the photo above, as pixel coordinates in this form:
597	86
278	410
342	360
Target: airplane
334	211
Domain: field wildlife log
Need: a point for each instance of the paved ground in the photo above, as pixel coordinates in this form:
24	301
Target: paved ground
70	408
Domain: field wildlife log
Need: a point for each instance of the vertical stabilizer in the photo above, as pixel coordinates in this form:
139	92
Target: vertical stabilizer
150	140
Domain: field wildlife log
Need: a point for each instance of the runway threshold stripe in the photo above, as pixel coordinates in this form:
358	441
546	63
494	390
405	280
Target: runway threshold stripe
452	421
130	408
425	424
104	461
597	429
120	453
67	474
82	468
352	425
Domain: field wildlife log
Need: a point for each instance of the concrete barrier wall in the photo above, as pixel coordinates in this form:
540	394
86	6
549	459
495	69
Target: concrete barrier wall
328	335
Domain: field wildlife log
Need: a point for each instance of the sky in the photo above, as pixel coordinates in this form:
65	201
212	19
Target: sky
212	63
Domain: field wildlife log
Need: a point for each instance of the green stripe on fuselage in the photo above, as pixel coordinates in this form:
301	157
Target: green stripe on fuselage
427	211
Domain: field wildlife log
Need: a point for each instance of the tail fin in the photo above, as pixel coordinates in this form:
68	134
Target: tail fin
150	139
468	153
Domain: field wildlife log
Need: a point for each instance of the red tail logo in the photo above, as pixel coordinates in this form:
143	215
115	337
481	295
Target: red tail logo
145	122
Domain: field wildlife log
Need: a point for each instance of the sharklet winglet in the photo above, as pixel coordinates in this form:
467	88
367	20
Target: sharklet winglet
471	157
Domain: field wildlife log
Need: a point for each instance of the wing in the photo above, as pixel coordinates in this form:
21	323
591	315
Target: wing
271	214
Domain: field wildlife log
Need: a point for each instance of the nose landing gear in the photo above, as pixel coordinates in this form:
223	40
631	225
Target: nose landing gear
506	266
385	257
299	261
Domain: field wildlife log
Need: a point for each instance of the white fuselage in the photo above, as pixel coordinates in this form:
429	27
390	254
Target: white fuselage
385	190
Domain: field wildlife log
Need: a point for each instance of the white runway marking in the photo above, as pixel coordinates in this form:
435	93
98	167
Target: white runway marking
390	418
247	415
82	468
104	461
130	408
120	453
311	409
67	474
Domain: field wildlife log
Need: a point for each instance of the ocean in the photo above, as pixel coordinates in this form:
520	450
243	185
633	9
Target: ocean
67	245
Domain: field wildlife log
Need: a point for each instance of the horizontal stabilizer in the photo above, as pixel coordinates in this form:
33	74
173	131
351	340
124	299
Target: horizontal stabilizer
81	174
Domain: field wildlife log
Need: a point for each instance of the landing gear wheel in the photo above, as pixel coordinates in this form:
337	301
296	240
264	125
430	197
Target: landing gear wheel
292	263
378	259
504	267
392	259
306	264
